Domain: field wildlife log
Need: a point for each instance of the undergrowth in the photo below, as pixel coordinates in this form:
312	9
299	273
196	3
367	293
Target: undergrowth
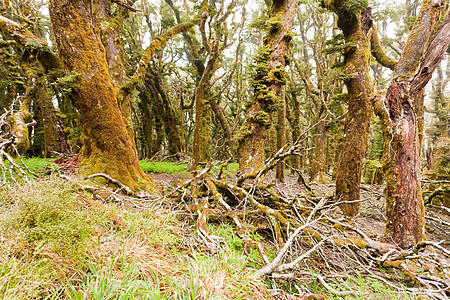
34	164
161	167
53	245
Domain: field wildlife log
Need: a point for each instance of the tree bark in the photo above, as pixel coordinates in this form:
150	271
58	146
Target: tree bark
269	82
107	146
280	174
405	210
355	25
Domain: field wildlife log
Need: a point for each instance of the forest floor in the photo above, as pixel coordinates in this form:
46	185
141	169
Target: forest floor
332	262
371	220
62	237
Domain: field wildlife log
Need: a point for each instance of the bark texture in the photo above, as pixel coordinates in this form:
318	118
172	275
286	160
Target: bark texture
107	146
269	82
355	24
401	164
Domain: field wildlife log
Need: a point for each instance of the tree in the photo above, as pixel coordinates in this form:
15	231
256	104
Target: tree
405	211
39	65
355	22
269	85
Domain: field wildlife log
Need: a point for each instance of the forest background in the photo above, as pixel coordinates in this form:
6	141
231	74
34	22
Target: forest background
234	81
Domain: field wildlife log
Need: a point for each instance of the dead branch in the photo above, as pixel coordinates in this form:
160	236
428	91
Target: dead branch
123	4
275	264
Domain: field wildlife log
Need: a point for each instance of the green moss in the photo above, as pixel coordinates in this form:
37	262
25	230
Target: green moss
274	24
355	5
46	216
263	118
67	83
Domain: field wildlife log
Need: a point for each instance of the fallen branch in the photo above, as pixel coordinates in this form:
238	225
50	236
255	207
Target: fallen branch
275	264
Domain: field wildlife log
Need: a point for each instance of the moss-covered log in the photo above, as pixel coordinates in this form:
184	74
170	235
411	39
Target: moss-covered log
269	82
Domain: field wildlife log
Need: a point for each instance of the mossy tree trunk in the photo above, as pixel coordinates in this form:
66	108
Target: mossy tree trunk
36	61
214	47
107	146
318	154
293	116
269	82
281	134
355	23
405	210
167	113
111	25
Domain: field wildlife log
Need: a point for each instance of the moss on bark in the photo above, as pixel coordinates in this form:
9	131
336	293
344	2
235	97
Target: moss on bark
355	25
107	146
268	82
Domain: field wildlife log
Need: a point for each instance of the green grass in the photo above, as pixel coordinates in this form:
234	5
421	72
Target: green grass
363	287
34	164
161	167
55	246
173	167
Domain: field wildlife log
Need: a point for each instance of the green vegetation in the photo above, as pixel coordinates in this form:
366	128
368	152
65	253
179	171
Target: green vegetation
58	244
161	167
34	164
172	167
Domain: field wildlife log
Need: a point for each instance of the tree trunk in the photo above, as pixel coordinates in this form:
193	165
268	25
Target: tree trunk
281	134
355	26
115	55
269	82
318	155
107	146
405	210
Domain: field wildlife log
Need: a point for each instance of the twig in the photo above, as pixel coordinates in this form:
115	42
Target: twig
438	220
121	3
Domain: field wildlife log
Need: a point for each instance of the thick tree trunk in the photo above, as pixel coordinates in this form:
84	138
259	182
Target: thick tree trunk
107	146
115	54
355	26
405	210
268	84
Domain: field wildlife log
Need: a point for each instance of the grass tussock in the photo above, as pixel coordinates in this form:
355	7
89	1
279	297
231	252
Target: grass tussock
55	246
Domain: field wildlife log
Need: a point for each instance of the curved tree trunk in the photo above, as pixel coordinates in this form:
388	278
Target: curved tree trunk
107	146
269	82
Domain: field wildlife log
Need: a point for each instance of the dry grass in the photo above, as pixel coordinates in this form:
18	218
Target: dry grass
147	257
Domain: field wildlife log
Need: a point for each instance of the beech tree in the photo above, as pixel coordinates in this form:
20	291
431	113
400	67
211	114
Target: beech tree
38	65
269	85
405	210
360	38
108	146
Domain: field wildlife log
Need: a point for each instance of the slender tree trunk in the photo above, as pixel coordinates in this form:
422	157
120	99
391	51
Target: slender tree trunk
147	123
269	83
295	127
281	134
318	155
405	210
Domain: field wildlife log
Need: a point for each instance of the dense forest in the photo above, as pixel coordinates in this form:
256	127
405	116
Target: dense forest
224	149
